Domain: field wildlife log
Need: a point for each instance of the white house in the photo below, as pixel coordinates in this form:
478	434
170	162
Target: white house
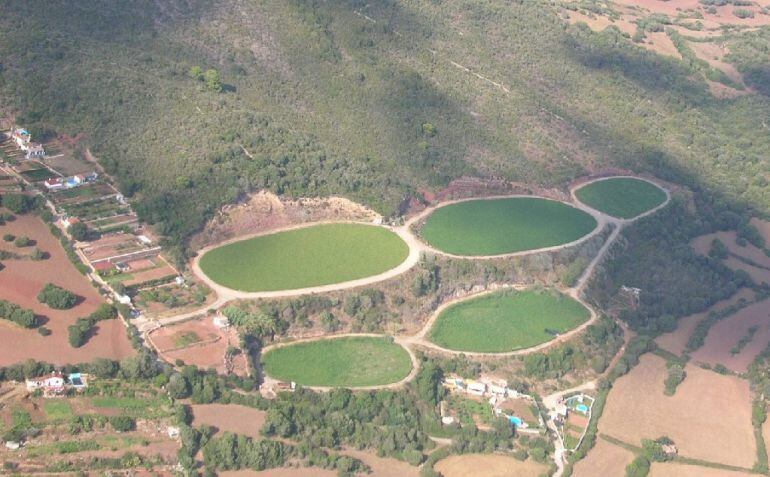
476	388
22	138
221	321
35	151
52	384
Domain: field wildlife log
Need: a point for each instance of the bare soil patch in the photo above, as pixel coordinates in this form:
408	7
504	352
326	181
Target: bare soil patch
716	409
488	465
724	15
265	211
670	469
676	341
604	459
230	418
20	282
726	334
207	353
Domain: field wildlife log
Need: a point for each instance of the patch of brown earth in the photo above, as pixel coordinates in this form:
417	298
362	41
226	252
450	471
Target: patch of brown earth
230	418
488	465
716	409
676	341
207	353
281	472
265	211
383	466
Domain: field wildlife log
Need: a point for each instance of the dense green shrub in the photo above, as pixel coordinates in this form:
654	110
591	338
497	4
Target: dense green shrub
57	297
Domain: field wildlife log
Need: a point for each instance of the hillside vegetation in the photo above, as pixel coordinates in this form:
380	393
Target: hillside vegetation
372	100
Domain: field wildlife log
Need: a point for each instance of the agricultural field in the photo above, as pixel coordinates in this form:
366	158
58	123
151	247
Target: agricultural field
746	257
488	465
638	409
346	362
673	469
233	418
502	226
20	282
281	472
676	341
72	430
305	257
604	459
735	341
199	342
622	197
507	321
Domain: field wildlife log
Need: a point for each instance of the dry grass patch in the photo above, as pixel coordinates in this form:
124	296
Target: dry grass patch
709	416
488	465
604	459
670	469
676	341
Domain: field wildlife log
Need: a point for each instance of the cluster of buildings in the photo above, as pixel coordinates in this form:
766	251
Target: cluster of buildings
60	183
498	394
23	140
57	384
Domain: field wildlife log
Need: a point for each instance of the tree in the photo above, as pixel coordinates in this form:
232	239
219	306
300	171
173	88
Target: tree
213	81
178	387
17	203
195	73
79	231
79	332
639	467
37	255
428	383
56	297
122	423
22	241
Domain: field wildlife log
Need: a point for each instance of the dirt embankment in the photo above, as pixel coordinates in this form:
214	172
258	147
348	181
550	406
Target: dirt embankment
264	211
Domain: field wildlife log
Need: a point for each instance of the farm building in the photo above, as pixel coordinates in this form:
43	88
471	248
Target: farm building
35	151
67	222
50	385
21	137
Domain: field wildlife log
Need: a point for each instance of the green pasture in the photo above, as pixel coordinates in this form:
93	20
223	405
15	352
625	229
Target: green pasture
622	197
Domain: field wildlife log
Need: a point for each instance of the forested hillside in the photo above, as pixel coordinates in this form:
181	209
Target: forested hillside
372	100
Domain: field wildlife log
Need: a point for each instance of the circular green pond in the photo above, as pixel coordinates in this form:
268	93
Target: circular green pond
623	197
507	321
340	362
501	226
306	257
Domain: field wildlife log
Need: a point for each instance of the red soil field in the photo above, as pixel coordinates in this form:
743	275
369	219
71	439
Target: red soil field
676	341
20	282
230	418
140	264
726	333
604	459
152	274
208	353
709	416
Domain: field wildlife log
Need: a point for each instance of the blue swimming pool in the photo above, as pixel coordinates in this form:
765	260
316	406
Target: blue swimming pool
516	421
582	408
